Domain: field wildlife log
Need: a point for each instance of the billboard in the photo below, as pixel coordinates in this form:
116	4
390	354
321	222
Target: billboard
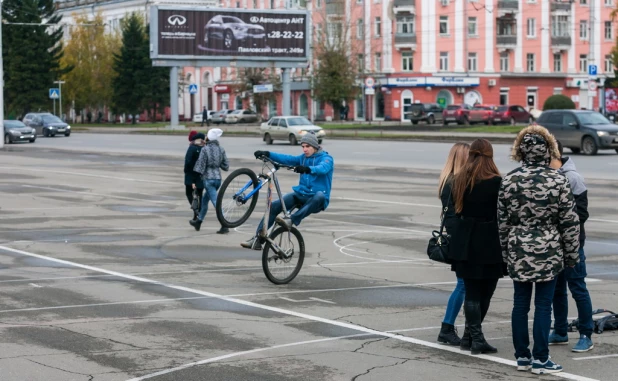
228	34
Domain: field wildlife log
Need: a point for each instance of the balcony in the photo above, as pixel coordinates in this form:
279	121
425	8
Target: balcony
506	42
560	8
560	43
334	7
507	6
405	41
404	6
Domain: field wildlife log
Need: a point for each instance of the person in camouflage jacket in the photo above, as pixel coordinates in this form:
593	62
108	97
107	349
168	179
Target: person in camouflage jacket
539	235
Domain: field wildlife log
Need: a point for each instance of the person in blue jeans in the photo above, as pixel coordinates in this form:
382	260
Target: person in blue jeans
574	277
456	160
209	164
311	195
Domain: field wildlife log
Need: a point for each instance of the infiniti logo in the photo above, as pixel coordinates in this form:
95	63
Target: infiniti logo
176	20
254	19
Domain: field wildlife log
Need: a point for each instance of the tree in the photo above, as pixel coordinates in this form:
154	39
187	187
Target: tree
334	79
131	84
32	50
250	77
157	96
558	102
90	50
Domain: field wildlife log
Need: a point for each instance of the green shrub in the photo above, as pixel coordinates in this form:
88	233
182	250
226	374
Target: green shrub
558	102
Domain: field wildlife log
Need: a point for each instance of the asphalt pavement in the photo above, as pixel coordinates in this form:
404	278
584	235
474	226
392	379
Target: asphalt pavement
102	278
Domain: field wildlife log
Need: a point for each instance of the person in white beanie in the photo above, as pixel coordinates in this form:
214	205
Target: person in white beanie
312	193
209	164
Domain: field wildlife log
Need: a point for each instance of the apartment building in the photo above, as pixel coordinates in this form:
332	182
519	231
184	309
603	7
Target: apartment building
444	51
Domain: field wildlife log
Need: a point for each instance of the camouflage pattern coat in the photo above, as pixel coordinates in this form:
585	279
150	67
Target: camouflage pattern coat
539	228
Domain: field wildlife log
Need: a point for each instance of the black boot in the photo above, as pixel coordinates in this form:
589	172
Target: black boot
448	335
197	224
466	340
223	230
473	317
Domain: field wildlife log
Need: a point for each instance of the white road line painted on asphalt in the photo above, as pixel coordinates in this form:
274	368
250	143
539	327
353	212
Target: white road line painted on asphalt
385	202
80	174
602	243
593	280
598	220
63	208
284	312
35	285
593	357
310	299
102	195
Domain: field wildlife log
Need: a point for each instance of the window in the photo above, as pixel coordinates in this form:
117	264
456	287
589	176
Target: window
504	97
507	27
378	63
443	61
609	3
405	24
608	30
583	29
504	61
531	28
443	25
318	32
558	63
583	2
472	62
334	30
472	31
272	4
360	29
583	63
318	4
557	90
407	61
609	64
560	26
378	27
530	62
361	62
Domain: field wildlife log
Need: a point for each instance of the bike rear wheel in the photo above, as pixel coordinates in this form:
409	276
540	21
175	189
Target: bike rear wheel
232	207
282	268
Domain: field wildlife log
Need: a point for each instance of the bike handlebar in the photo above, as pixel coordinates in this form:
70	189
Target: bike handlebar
277	165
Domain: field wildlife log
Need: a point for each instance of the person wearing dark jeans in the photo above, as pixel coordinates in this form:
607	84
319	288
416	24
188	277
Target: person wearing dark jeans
192	179
543	296
539	231
573	276
474	233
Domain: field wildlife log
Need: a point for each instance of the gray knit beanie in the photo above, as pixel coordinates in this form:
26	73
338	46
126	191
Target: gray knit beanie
310	139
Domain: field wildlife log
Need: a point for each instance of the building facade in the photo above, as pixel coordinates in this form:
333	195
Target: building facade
445	51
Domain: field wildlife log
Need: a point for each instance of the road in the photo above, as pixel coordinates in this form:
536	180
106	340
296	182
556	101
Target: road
397	154
102	278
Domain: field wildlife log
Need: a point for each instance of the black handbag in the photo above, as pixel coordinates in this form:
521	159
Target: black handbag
195	204
438	246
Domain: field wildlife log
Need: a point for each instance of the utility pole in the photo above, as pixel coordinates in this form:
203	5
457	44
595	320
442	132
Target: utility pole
591	52
1	82
60	96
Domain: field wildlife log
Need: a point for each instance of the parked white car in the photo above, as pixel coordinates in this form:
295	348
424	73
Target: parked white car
197	118
290	128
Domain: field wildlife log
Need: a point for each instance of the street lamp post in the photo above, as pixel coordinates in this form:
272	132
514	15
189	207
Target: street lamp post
1	82
60	96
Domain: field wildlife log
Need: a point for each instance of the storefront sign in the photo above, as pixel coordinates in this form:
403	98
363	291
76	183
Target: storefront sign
222	89
405	82
452	81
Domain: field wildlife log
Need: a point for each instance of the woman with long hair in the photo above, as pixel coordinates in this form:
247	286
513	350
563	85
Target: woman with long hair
454	163
478	258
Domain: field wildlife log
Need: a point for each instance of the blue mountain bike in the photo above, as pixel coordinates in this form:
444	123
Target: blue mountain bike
284	248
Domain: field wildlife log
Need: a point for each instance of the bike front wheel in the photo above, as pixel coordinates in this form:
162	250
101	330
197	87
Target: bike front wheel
280	267
233	204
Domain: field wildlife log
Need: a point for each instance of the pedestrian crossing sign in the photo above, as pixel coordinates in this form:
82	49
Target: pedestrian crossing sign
54	93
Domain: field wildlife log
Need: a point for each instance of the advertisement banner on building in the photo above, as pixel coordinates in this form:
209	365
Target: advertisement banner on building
220	33
611	100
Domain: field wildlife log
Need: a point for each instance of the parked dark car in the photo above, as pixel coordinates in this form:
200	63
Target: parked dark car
16	131
424	112
512	114
581	130
481	114
232	30
459	114
47	124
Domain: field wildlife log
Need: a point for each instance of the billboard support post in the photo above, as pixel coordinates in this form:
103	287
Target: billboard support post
285	88
174	97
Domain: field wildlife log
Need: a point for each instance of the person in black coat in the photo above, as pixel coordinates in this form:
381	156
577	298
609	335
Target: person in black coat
191	177
474	232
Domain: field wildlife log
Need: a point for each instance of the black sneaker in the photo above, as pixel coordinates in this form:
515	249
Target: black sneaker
197	224
254	244
223	230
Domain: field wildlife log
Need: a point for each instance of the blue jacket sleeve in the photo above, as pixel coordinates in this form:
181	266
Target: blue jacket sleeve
326	166
286	159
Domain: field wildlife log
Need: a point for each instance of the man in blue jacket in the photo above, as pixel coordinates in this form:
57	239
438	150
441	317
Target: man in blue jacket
312	193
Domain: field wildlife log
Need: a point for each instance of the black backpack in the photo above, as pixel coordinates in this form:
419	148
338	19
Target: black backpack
608	322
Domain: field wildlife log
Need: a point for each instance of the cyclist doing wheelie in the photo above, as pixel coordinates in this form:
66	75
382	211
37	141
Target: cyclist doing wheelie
312	193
